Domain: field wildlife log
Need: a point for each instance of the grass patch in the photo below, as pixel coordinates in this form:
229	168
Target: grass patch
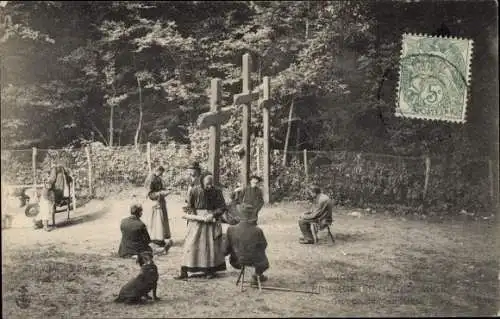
49	282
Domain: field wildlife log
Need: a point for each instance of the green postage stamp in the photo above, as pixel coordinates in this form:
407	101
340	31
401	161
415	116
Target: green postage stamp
434	78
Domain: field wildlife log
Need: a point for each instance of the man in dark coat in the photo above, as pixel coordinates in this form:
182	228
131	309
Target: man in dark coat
135	236
250	195
246	244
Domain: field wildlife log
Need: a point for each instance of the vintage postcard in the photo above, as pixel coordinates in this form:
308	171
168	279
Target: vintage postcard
249	159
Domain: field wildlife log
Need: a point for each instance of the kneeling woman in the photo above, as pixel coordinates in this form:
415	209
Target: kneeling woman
204	247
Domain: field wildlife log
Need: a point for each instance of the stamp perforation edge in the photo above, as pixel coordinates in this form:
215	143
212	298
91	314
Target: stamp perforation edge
468	78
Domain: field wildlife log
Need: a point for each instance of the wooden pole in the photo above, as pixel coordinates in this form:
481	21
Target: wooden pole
290	114
247	113
492	183
297	140
214	142
427	173
33	163
306	166
148	154
89	176
267	162
284	289
73	194
257	155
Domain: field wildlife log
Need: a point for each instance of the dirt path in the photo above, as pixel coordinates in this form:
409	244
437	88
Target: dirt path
378	266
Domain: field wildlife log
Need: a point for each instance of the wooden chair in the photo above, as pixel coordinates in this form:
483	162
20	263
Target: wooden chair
241	278
317	227
69	202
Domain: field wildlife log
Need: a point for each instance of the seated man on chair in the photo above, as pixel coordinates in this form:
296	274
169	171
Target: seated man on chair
246	244
322	214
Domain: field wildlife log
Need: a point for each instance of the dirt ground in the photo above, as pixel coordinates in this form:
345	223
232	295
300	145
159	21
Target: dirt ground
380	265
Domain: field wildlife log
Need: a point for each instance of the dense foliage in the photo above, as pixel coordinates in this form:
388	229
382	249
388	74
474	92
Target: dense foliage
127	73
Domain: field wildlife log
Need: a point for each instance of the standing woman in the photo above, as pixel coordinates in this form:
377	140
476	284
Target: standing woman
204	245
194	171
46	204
159	228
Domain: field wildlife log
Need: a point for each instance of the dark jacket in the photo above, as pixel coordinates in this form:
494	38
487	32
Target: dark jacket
249	195
58	177
246	245
135	237
155	186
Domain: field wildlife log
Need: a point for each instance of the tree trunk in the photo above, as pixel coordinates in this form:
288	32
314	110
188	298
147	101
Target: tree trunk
290	114
307	19
139	125
297	144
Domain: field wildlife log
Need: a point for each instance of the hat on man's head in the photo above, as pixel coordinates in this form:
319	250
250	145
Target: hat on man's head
194	165
256	177
247	212
135	209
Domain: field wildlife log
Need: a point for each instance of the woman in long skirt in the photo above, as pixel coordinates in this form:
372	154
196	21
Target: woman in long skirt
204	244
159	228
46	206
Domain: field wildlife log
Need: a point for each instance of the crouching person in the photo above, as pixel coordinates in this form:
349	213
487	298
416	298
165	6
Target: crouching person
246	244
135	235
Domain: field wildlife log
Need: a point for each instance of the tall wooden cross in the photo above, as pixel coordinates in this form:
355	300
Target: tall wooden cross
213	119
246	98
264	103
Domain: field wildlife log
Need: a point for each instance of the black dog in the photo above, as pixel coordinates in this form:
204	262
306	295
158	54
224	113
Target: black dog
139	287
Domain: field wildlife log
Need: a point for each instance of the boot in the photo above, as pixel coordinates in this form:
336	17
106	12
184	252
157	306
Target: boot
262	278
38	224
182	276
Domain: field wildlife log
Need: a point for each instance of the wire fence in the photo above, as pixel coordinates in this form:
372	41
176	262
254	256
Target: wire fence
350	177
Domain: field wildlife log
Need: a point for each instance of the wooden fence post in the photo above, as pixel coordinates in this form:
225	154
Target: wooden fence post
34	166
89	176
258	159
306	166
427	173
149	157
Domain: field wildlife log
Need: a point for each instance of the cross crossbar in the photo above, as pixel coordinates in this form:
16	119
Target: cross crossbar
213	118
243	98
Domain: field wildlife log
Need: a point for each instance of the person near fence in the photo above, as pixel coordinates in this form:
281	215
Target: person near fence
159	227
321	213
246	244
194	178
60	181
194	172
46	206
135	235
204	244
251	195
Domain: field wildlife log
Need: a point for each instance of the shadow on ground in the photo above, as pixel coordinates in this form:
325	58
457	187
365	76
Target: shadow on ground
83	219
